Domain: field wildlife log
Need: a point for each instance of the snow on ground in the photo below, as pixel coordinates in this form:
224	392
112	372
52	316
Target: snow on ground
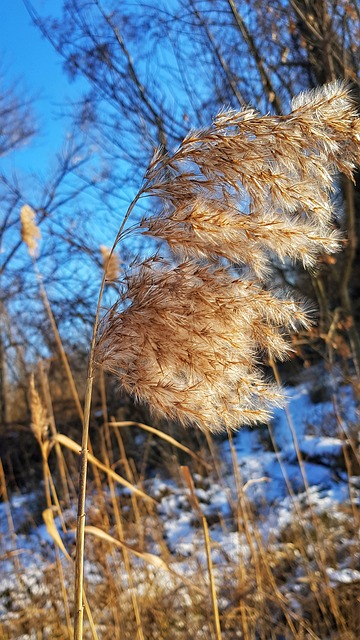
265	476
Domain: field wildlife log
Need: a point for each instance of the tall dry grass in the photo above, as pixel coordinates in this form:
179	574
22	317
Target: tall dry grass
138	586
190	333
214	325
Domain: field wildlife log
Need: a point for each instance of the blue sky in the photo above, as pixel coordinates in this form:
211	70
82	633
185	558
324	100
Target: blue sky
29	58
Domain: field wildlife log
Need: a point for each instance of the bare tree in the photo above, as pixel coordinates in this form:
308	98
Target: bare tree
16	129
60	204
17	123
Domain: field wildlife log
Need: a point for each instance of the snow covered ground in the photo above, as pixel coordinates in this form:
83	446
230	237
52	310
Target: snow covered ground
279	489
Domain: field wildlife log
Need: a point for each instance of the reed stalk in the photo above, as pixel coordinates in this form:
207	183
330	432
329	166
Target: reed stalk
81	511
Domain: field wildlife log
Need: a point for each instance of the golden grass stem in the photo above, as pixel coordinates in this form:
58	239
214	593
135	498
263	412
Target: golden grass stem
211	578
107	453
63	356
244	524
64	594
44	381
345	442
5	498
193	498
73	389
90	618
163	436
80	529
130	476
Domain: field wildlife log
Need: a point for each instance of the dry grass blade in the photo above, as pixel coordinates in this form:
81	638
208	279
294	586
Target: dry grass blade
48	518
163	436
143	555
30	232
73	446
193	498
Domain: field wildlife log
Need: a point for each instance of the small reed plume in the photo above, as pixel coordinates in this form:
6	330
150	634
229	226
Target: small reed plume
189	338
39	419
110	264
30	232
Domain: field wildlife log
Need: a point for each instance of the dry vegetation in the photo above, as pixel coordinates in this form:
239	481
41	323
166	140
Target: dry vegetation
191	339
139	586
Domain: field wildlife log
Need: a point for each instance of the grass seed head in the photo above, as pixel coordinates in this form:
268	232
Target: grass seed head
188	340
30	232
39	419
251	187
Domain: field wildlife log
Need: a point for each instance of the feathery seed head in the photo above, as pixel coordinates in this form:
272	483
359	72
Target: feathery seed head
281	166
30	232
187	340
39	420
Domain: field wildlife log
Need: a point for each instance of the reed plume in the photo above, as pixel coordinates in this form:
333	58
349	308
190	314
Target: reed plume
39	418
188	338
30	232
252	187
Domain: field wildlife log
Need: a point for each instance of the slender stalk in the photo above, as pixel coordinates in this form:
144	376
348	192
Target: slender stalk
80	526
322	563
44	381
107	454
10	521
47	481
64	358
211	578
196	505
59	343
